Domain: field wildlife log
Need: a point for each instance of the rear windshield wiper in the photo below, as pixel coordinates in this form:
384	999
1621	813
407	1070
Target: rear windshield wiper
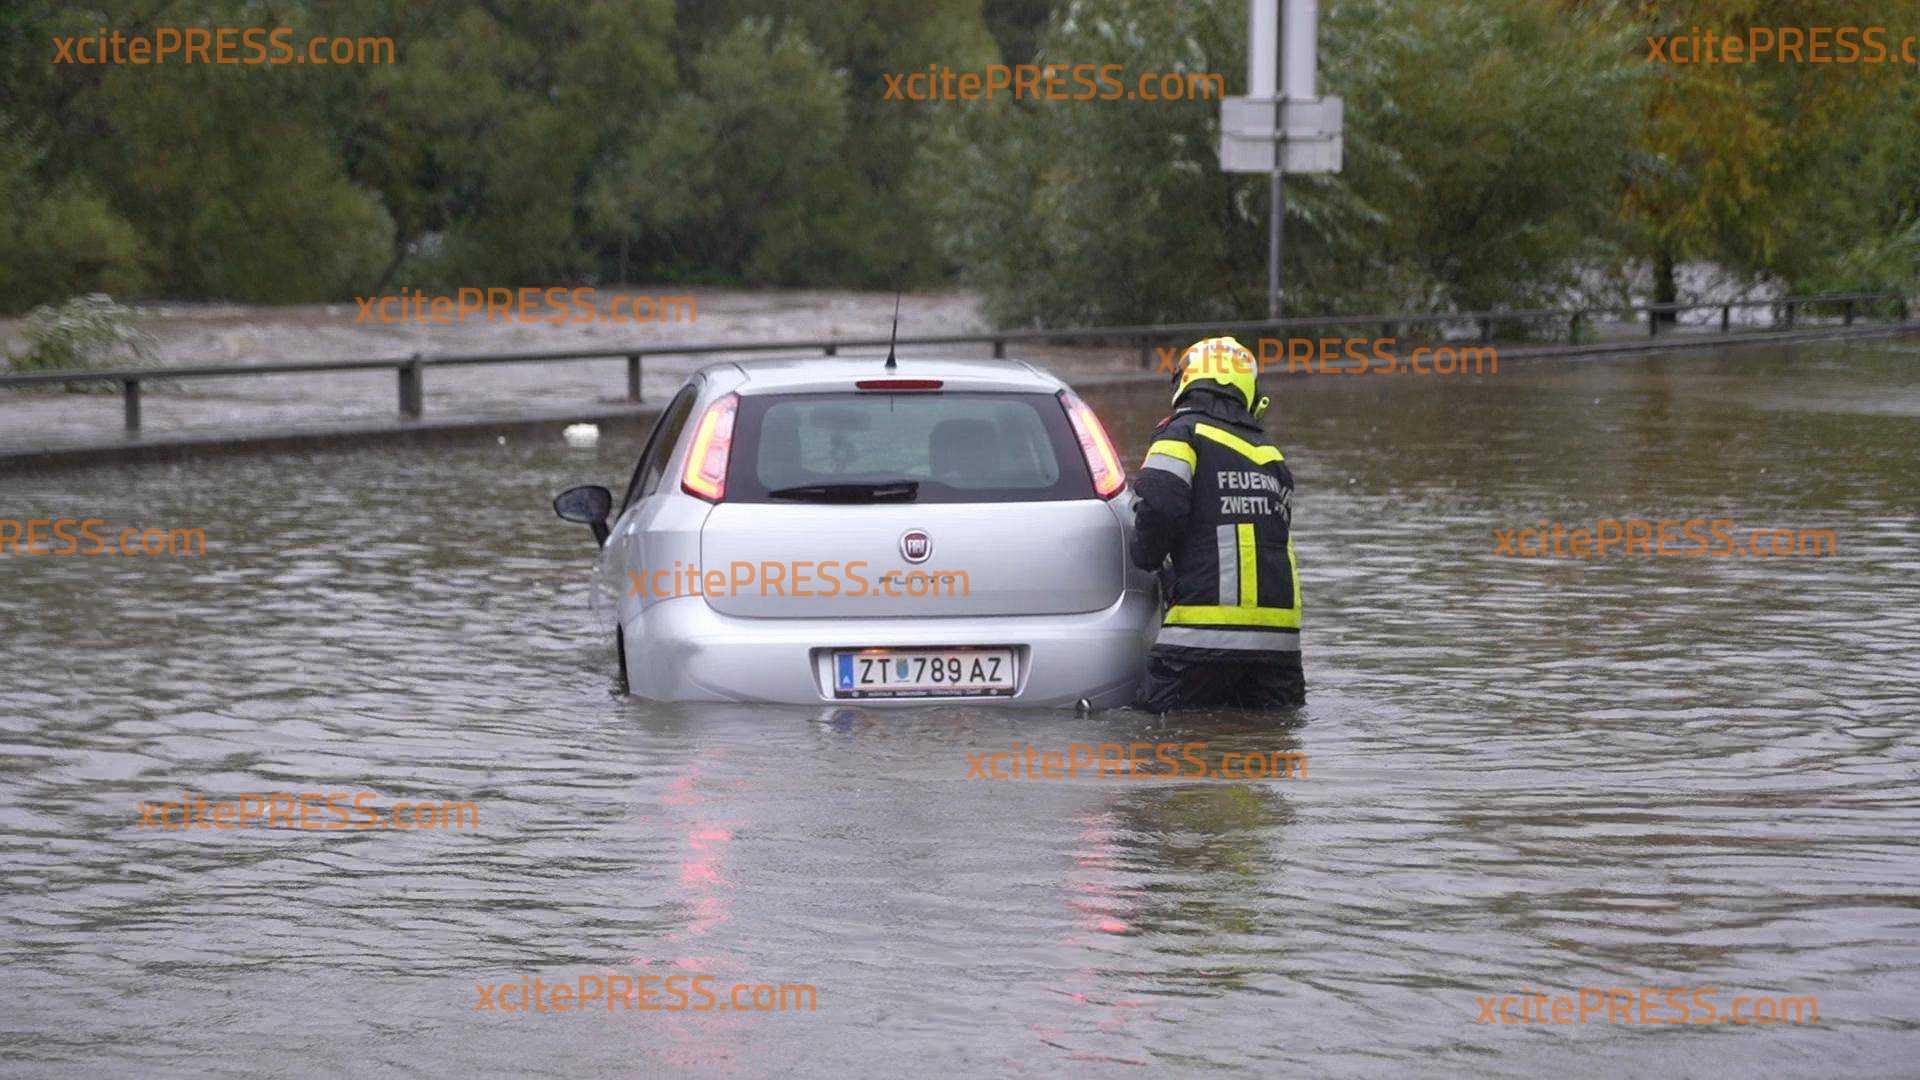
890	491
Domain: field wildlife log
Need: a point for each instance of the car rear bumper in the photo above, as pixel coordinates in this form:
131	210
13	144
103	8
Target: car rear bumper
683	650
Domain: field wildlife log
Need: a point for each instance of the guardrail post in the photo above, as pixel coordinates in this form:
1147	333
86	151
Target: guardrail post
410	388
1790	307
633	376
999	348
1726	318
131	391
1849	315
1903	307
1146	353
1573	328
1653	322
1486	330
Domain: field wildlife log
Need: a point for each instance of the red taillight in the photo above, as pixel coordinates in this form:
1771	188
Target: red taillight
706	472
1102	462
898	384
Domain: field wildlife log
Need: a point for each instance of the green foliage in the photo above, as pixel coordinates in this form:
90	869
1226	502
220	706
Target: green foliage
60	240
1482	142
1509	123
1497	153
226	172
1777	169
869	223
497	123
746	177
86	333
1091	211
1884	263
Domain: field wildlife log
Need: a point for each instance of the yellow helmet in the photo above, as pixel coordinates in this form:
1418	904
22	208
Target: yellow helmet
1224	361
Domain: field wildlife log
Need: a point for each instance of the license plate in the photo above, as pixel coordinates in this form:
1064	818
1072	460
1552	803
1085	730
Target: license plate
862	673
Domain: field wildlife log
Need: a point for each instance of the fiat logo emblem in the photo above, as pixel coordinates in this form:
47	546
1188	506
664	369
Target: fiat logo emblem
916	546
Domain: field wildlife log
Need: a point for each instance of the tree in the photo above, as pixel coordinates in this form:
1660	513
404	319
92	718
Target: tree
233	184
1484	142
746	176
59	241
1772	167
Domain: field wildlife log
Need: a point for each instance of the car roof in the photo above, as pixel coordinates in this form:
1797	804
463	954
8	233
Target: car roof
829	373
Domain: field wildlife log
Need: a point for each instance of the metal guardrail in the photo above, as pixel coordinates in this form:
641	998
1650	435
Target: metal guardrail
410	369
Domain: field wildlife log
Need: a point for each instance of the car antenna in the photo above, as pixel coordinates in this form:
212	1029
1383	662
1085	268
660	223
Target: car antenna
893	336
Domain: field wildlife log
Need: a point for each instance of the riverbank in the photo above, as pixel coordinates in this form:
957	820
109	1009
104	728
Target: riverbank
50	429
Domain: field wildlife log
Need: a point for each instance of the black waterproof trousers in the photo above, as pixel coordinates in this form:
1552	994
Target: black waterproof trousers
1266	681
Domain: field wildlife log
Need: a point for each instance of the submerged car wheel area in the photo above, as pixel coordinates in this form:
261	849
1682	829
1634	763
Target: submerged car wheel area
831	530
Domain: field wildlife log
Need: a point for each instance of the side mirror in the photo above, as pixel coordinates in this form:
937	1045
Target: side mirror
589	505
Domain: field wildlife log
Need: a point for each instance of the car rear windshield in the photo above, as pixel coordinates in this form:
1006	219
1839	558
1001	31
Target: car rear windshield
954	447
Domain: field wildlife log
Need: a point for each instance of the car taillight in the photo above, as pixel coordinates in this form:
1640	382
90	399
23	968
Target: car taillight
1102	462
899	384
706	472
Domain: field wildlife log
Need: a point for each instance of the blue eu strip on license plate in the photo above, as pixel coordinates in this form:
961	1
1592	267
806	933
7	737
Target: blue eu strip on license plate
953	671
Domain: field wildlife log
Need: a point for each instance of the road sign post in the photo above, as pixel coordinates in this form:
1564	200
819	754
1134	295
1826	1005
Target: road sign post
1280	129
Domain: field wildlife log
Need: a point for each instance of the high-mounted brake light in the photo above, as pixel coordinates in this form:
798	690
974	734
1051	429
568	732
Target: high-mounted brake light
1102	462
706	472
898	384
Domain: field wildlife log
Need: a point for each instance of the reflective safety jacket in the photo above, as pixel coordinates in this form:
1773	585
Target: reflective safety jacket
1218	497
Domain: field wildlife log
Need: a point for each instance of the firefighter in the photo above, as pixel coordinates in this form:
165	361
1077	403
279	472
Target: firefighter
1213	511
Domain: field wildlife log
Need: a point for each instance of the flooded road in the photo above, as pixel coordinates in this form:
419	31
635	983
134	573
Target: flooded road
1526	775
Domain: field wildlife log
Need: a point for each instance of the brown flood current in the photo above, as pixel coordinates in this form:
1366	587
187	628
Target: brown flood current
1526	775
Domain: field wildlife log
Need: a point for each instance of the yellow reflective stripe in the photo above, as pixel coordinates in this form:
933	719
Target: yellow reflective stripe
1249	572
1294	569
1173	467
1260	455
1204	615
1174	448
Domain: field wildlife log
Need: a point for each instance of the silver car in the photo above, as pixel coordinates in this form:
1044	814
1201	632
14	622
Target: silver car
834	530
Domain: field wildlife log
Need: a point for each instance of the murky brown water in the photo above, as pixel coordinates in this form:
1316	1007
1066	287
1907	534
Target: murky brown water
1525	774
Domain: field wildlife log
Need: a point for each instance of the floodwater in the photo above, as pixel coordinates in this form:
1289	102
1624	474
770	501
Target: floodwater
1525	775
